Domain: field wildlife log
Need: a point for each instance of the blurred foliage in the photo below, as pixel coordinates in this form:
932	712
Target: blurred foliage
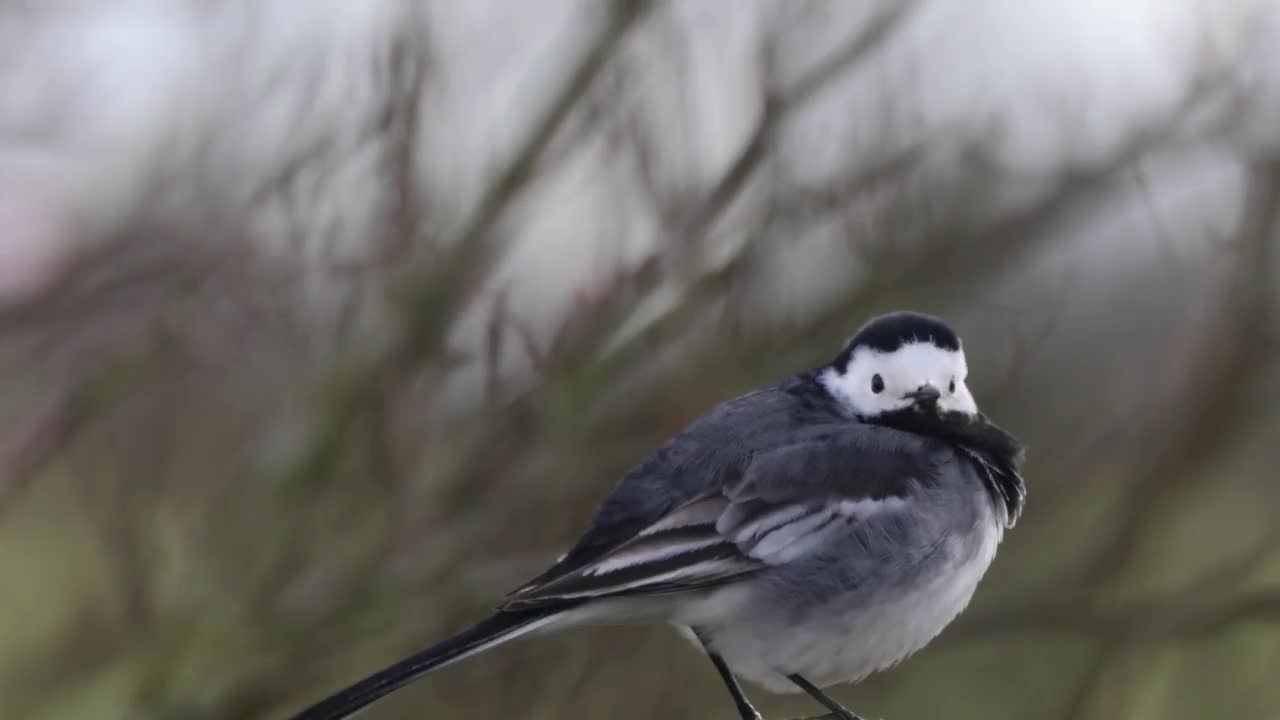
201	520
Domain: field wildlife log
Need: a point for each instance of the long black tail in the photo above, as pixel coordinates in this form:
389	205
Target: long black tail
488	633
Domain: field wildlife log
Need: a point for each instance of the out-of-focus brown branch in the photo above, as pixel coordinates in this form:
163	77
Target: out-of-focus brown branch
38	438
778	104
1089	682
1143	621
1214	395
42	435
406	76
430	297
425	302
66	406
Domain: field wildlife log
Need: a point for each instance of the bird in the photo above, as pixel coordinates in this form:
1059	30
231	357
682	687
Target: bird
802	535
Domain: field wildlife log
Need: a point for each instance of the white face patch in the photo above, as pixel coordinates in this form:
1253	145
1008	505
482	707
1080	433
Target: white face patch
905	370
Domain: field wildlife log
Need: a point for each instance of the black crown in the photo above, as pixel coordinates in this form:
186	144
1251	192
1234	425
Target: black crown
891	331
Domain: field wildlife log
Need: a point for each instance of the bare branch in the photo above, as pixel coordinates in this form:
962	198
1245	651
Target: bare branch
432	295
778	103
1211	408
1145	621
38	439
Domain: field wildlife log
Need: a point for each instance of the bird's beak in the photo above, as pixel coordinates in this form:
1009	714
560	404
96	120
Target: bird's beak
925	396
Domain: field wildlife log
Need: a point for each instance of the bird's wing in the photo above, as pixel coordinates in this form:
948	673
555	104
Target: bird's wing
789	501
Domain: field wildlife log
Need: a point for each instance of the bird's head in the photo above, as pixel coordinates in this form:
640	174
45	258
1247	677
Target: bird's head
902	362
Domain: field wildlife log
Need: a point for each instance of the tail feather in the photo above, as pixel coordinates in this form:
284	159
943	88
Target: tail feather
487	633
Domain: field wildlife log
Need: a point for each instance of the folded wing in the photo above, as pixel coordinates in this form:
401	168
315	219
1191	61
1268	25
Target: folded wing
790	501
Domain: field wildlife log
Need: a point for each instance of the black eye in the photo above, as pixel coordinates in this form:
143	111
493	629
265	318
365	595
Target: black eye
877	384
952	387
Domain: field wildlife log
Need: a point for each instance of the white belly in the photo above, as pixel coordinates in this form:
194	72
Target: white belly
858	635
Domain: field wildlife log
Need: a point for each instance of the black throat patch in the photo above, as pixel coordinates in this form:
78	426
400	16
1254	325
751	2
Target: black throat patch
996	454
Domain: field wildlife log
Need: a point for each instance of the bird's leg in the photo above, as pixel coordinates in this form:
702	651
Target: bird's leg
739	697
836	708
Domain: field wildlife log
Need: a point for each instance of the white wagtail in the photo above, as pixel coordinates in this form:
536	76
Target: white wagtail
803	535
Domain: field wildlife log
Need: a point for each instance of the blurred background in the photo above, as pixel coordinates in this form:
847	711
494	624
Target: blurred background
323	324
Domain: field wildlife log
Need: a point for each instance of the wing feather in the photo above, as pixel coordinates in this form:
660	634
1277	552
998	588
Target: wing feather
788	503
681	551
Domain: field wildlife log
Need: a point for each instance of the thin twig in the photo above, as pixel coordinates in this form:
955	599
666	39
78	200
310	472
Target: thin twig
432	295
779	103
